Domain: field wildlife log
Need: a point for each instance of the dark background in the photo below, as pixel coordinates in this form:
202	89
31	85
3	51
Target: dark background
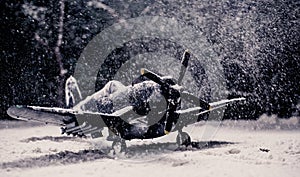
257	42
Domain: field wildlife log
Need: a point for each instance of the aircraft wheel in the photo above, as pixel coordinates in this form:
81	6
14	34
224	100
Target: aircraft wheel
183	139
119	146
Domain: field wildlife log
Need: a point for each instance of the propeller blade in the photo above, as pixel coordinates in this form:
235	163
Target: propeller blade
185	60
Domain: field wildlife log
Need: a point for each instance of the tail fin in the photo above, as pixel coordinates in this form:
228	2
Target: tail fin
70	87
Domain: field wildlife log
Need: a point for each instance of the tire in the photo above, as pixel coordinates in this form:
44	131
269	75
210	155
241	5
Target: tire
183	139
119	146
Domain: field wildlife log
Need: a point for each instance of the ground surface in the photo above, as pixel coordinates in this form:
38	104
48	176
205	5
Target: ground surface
236	148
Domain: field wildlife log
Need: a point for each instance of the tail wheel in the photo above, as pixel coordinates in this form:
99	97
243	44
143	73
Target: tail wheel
183	139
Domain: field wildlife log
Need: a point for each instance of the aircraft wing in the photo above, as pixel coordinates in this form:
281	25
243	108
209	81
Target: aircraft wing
54	115
29	114
212	106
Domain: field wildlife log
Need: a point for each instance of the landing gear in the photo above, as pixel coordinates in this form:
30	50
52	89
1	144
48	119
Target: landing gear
119	146
183	139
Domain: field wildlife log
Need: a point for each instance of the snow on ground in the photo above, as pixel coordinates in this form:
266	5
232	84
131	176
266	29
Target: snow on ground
238	148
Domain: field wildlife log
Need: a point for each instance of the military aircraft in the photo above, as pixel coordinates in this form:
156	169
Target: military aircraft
169	118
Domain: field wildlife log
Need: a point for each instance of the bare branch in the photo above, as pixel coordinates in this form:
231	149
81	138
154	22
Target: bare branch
103	6
40	40
110	10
